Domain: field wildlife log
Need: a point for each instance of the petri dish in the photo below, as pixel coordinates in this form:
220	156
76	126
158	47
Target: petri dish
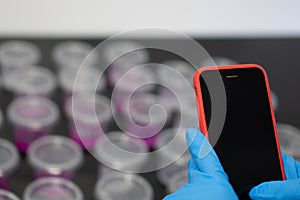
88	80
289	139
217	61
146	117
72	54
172	145
117	186
36	80
180	69
121	152
16	54
7	195
125	52
31	117
55	156
177	180
89	117
9	161
52	189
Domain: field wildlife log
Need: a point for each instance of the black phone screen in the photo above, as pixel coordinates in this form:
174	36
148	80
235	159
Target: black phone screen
246	145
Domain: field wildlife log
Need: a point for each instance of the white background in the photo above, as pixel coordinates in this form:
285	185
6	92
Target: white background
199	18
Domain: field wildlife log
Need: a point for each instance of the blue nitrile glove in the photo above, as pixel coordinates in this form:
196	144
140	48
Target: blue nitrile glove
207	179
288	189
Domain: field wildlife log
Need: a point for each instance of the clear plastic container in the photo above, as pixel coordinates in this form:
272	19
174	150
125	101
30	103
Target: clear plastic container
36	80
120	152
52	189
120	53
116	186
126	81
177	181
175	153
89	117
217	61
9	161
55	156
289	138
72	54
16	54
145	117
32	117
6	195
89	80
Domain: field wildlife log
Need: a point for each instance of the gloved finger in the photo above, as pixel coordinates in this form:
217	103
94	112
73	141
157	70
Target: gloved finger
283	190
203	154
193	172
291	166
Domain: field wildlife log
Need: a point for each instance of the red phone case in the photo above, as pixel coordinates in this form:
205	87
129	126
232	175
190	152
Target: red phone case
200	106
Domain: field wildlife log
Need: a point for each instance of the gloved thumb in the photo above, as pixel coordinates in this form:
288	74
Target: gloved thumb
283	190
203	155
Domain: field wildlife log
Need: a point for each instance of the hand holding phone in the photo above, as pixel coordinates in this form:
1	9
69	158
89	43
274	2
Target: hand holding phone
236	115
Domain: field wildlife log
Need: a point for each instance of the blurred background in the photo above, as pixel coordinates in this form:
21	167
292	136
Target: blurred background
42	46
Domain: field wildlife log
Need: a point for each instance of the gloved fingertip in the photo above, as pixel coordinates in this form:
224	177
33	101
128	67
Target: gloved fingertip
191	134
254	193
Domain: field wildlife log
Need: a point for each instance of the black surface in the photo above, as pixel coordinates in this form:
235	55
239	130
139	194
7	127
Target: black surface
278	56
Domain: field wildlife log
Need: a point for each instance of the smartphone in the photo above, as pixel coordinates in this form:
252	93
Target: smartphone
236	115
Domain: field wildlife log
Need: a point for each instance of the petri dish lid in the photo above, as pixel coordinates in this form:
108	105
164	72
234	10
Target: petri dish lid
172	144
125	78
88	79
52	188
178	66
6	195
33	112
147	109
16	52
132	53
117	186
55	154
289	138
72	54
36	80
177	180
90	109
217	61
120	151
9	157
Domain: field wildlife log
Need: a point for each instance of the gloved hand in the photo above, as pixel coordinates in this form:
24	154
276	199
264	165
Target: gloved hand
207	179
288	189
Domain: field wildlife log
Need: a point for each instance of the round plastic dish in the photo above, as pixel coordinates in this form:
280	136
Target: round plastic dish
72	54
289	138
36	80
120	152
52	188
120	53
9	161
6	195
217	61
88	80
173	149
89	117
177	181
55	156
16	54
31	117
145	117
181	68
116	186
